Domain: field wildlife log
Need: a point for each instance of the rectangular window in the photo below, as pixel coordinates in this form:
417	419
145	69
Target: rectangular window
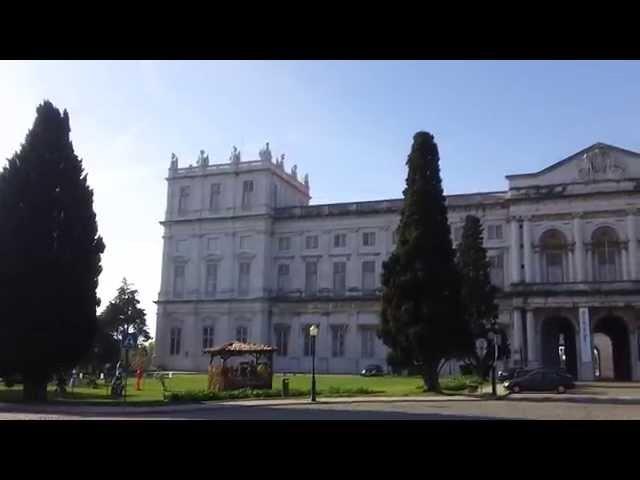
497	270
207	337
214	197
311	278
247	194
308	342
337	340
457	234
494	232
368	342
368	275
211	279
282	341
243	278
284	244
340	240
245	242
242	333
339	278
183	200
283	278
555	271
178	281
212	244
369	239
175	340
311	242
182	246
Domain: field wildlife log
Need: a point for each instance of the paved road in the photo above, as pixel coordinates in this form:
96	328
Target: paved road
409	410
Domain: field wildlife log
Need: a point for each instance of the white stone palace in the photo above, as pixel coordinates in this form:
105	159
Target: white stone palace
246	257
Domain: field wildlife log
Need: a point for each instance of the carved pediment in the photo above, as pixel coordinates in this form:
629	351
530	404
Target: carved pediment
597	163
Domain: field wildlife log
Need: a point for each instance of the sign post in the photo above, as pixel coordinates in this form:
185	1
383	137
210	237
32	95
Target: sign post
129	343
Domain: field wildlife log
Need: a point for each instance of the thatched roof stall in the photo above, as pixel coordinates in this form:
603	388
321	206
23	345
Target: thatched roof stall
255	375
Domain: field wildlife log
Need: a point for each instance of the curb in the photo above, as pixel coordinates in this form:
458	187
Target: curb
574	399
164	409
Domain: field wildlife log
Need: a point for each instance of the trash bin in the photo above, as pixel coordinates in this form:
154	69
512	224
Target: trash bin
285	387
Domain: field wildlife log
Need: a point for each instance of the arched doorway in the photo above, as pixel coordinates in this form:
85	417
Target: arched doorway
615	329
559	345
603	357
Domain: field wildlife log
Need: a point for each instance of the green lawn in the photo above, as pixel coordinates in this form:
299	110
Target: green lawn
151	393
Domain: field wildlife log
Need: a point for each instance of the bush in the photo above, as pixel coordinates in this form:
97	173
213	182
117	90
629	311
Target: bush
351	391
204	396
460	382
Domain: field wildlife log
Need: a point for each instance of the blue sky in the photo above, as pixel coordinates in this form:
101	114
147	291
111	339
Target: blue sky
348	124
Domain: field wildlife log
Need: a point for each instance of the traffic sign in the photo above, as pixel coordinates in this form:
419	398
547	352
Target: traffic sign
130	342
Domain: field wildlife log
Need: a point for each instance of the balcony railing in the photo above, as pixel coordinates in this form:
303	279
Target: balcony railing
594	288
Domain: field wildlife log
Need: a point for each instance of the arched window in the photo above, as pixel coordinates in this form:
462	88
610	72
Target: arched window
606	255
553	244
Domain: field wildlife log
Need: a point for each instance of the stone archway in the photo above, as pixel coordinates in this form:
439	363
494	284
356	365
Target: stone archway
617	332
603	357
559	344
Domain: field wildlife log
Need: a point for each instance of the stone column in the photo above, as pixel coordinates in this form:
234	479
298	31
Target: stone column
528	263
517	337
515	250
633	245
625	264
572	272
590	274
531	340
585	360
579	248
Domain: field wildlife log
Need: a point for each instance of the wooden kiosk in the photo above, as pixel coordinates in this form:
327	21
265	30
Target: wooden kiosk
256	373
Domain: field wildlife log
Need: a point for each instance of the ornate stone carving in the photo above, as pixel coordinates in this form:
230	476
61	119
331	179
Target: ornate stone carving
600	164
174	162
203	160
265	153
294	171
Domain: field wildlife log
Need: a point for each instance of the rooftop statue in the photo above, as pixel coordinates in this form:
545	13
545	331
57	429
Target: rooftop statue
294	171
306	180
235	155
265	153
174	162
203	160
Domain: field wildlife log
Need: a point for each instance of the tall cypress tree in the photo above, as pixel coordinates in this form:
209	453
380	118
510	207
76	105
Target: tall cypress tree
422	320
478	294
49	256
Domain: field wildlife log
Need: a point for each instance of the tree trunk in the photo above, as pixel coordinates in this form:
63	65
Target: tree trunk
34	389
431	377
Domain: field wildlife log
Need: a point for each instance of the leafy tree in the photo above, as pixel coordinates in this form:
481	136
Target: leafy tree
123	316
422	321
478	294
49	256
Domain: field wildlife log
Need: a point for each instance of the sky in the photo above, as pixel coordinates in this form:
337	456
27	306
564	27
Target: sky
348	124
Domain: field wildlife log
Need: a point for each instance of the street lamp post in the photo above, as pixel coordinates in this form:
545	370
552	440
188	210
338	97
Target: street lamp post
494	336
313	332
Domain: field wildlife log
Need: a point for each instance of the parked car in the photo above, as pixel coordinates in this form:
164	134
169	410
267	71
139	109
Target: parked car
511	373
372	371
542	379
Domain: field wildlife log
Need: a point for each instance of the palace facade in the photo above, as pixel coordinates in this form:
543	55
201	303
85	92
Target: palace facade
247	257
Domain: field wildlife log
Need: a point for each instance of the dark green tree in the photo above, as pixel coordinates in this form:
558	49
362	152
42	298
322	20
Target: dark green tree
49	256
478	294
421	320
123	316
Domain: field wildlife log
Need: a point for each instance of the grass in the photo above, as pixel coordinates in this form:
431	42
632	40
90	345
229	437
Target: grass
192	388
